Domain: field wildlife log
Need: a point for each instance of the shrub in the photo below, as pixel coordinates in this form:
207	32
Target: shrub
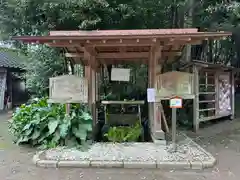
47	125
124	133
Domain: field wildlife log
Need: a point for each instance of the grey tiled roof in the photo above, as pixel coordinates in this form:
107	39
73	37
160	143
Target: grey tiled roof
11	59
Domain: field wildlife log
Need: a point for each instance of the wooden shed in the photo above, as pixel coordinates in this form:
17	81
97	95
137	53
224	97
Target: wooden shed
10	63
214	91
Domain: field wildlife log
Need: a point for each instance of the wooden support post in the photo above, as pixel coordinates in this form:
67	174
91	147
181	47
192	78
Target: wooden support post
232	95
97	93
156	127
174	128
196	99
216	76
90	74
87	72
150	85
68	106
93	90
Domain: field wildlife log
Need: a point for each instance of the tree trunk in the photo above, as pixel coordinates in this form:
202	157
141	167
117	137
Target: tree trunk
188	24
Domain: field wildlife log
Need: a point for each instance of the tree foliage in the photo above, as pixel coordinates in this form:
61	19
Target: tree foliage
43	63
34	17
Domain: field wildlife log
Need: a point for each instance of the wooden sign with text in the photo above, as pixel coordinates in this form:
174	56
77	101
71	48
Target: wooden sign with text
68	89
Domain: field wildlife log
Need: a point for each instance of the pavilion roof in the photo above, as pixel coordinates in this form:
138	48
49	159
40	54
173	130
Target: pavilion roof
116	46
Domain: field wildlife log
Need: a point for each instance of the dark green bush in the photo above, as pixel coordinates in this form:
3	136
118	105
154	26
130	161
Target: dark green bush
124	133
47	125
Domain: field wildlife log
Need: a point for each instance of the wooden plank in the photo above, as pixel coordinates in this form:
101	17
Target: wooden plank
164	117
120	43
212	117
194	36
232	95
123	32
123	55
196	99
68	88
217	92
93	89
170	33
3	78
207	92
154	67
207	101
209	109
209	85
150	85
123	102
190	96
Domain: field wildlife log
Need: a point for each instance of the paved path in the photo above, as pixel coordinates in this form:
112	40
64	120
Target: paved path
16	162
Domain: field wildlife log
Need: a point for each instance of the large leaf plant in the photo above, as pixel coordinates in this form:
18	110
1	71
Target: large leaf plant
47	125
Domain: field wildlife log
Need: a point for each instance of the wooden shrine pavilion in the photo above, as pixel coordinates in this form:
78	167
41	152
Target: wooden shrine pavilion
153	47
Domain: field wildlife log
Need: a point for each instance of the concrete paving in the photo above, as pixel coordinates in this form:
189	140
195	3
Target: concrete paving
222	140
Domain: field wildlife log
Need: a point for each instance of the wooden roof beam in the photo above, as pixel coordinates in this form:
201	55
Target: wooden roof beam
128	42
124	55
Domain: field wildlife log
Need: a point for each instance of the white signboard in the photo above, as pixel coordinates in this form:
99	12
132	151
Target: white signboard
151	94
176	102
68	89
120	74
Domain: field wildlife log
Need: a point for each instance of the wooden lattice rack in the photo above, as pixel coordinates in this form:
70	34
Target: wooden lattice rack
207	102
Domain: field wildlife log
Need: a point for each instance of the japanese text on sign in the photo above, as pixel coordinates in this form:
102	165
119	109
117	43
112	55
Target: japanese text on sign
176	102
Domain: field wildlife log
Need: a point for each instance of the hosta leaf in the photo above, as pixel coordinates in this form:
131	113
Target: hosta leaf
86	116
22	139
86	127
28	132
52	125
73	115
43	137
71	142
35	134
27	127
63	130
56	137
37	119
80	133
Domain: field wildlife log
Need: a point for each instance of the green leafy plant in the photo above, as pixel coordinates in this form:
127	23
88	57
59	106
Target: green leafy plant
124	133
47	125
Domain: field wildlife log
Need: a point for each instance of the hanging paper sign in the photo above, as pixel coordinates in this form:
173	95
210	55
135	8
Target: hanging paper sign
176	102
151	94
120	74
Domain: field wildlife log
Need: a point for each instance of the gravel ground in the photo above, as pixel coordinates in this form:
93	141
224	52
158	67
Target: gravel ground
222	140
187	150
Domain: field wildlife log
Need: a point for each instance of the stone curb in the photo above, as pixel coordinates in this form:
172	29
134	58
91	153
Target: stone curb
47	163
139	164
182	165
196	165
74	164
209	163
36	157
107	164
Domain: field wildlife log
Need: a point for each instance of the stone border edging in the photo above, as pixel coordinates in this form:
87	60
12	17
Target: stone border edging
210	163
167	165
